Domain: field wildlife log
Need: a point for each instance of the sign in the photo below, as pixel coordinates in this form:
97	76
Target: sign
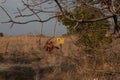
60	40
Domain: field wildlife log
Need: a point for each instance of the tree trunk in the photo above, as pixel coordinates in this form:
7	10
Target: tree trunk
116	26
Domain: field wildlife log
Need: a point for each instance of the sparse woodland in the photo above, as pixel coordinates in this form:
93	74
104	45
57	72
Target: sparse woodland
91	50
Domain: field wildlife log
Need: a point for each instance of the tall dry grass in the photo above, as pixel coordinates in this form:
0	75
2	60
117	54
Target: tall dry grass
68	63
28	44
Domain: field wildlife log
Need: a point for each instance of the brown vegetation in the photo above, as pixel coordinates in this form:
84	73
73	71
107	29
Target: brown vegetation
22	58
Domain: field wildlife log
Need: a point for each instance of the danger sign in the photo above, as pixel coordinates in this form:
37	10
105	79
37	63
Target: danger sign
60	40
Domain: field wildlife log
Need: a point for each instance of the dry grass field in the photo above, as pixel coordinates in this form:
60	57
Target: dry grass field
24	58
28	44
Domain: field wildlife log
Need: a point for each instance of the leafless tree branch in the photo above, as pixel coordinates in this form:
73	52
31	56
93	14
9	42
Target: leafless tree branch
25	22
35	7
31	10
6	12
4	1
59	6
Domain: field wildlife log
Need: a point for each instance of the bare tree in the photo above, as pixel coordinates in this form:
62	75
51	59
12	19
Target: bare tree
58	8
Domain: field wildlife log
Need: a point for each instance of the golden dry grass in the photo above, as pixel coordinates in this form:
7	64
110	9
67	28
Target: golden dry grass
31	43
70	64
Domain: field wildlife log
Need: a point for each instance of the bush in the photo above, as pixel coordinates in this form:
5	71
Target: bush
1	34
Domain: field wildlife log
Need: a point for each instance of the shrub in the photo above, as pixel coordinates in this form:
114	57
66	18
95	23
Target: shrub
1	34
